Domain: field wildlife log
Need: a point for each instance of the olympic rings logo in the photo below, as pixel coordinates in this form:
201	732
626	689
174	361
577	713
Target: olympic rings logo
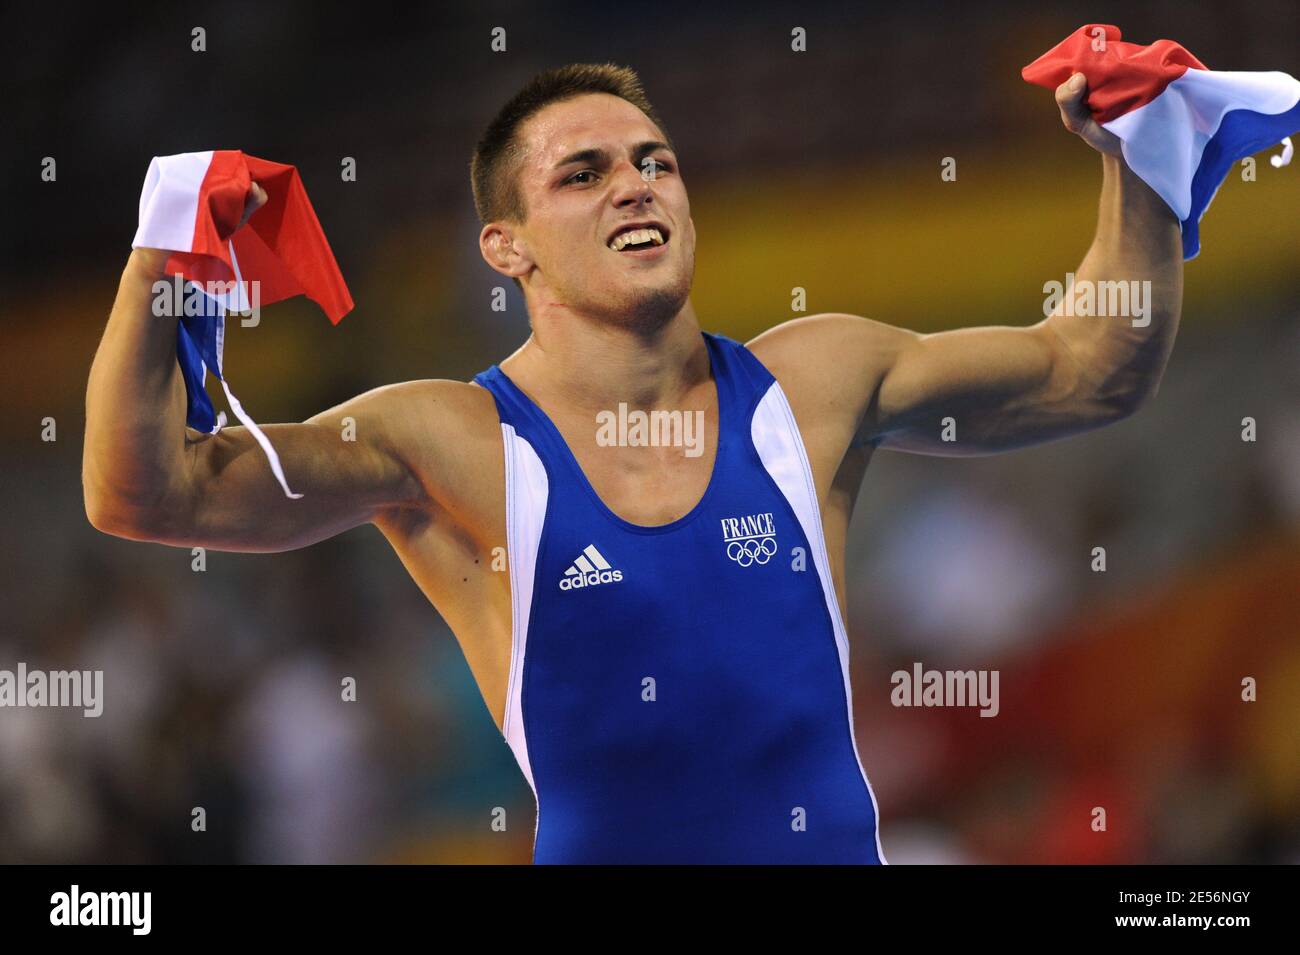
752	551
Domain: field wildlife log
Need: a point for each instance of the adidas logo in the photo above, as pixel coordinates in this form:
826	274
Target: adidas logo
589	570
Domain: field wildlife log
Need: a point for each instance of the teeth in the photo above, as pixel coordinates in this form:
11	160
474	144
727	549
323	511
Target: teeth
636	235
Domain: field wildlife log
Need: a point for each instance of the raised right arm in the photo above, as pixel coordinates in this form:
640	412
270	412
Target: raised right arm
146	476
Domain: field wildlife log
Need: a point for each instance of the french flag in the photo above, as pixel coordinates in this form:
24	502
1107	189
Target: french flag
1183	126
192	204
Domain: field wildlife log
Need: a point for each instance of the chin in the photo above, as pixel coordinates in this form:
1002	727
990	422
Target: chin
651	307
645	303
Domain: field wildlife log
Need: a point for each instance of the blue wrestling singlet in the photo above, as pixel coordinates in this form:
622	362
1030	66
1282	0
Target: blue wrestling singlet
680	693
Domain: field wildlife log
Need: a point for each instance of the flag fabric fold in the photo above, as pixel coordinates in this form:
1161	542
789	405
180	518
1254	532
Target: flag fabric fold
1182	125
191	205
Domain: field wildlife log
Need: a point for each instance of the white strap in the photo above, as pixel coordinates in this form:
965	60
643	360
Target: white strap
1283	158
261	437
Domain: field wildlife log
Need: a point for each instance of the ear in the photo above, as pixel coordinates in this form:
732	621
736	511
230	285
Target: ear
504	251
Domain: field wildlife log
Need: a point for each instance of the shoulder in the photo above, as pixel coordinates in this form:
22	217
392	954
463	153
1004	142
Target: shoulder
404	395
444	431
830	367
819	343
831	362
442	416
408	414
434	402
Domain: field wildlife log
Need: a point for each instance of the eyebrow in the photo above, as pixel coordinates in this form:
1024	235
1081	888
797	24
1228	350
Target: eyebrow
598	156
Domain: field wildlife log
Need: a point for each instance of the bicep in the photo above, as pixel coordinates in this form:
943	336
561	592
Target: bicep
344	461
977	391
962	392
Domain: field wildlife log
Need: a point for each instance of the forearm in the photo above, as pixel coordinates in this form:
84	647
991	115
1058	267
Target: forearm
135	401
1121	357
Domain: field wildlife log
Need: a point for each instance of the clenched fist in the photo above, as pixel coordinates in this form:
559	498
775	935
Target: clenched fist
1072	98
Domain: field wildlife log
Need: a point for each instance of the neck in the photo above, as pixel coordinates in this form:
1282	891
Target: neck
582	364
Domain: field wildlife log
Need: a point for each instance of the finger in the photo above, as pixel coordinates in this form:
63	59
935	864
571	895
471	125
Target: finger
1072	98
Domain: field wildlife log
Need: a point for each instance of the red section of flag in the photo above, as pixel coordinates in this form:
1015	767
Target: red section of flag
1121	76
282	247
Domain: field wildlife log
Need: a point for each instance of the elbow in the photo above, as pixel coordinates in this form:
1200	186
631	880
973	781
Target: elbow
99	510
1126	404
1116	396
108	519
129	502
109	514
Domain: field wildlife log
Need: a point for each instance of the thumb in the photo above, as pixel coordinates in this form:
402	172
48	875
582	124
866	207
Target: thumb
255	200
1072	98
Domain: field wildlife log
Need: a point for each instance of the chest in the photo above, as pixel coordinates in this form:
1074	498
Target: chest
646	471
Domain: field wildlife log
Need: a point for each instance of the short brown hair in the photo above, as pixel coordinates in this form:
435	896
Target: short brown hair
492	171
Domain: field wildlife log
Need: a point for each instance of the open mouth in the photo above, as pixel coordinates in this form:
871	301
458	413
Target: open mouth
634	239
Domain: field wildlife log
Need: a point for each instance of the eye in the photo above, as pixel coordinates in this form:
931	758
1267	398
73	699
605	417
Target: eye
584	172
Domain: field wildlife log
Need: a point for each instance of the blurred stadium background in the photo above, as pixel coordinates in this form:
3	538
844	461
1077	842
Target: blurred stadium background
818	170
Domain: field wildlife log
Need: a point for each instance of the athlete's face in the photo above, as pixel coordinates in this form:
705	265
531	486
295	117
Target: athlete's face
591	166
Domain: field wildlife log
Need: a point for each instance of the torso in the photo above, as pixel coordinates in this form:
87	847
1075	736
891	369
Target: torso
458	559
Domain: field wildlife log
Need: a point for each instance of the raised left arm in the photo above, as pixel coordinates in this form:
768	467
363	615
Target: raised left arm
1009	387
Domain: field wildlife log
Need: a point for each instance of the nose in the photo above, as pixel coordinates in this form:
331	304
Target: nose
632	189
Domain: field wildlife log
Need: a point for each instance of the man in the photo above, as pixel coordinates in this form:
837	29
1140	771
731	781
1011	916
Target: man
659	634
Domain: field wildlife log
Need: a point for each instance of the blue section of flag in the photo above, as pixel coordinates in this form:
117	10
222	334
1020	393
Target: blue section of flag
1242	133
196	345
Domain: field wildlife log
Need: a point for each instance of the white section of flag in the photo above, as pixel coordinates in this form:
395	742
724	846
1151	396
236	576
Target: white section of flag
169	201
1164	140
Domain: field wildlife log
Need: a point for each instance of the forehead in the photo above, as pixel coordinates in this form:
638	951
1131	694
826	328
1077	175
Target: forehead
592	119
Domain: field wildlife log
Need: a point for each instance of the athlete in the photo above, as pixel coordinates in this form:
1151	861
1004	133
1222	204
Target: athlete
658	630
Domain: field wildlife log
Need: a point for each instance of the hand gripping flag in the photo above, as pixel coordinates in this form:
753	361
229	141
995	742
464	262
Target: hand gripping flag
192	204
1182	125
